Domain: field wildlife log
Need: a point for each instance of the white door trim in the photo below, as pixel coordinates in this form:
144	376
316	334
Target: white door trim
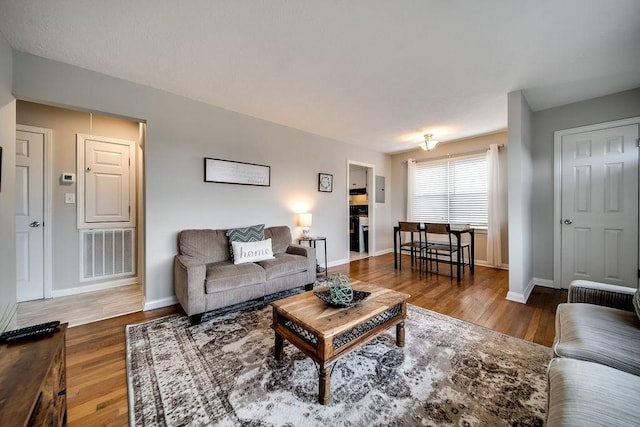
47	192
557	187
371	183
80	173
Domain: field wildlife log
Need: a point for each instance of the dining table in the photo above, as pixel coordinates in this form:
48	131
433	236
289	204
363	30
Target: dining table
456	230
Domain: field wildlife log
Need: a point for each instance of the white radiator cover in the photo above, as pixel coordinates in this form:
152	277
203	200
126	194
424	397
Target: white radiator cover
107	253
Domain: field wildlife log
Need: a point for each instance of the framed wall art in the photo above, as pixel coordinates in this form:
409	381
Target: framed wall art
325	182
231	172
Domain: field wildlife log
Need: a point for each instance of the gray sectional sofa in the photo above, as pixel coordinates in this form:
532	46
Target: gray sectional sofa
594	380
205	278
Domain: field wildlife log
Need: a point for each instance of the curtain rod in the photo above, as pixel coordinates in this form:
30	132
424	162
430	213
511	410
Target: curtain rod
452	156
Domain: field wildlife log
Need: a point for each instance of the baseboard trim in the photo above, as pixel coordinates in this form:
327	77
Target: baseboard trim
521	297
338	262
95	287
159	303
516	297
545	283
383	252
484	263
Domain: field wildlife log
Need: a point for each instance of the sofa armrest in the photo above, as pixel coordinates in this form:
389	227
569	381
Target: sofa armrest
308	252
189	275
584	291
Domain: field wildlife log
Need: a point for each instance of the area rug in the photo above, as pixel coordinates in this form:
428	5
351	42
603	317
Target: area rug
223	373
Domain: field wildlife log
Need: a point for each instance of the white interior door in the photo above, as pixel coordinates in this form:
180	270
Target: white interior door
29	215
108	181
599	220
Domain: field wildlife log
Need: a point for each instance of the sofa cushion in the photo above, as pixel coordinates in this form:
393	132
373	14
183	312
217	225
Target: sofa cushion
205	245
225	276
253	233
594	333
587	394
284	265
280	237
251	251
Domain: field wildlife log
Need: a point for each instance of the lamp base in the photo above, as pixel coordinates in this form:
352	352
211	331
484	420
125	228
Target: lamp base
305	232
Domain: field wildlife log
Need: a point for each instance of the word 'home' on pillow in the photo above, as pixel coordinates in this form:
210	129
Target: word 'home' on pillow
252	251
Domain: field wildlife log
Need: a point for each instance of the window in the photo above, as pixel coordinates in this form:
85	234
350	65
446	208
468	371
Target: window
452	191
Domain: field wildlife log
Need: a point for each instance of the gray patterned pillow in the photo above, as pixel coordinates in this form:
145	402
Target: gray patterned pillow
253	233
636	302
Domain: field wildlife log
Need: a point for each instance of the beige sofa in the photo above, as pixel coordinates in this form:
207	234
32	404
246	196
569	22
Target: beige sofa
594	380
204	277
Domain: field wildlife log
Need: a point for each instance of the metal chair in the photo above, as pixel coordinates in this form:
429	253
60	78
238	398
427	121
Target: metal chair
437	249
413	246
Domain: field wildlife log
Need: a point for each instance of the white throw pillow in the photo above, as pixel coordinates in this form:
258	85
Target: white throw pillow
252	251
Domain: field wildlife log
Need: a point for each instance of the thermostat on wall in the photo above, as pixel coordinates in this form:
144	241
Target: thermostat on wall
68	178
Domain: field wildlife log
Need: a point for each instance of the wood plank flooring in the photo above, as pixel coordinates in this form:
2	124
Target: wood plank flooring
96	371
82	308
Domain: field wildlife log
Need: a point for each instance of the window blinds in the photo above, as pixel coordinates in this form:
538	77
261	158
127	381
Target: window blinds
452	191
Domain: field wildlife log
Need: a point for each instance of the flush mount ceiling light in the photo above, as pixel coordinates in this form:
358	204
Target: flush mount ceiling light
429	143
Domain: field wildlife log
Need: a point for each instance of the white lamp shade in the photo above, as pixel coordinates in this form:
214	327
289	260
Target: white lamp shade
304	220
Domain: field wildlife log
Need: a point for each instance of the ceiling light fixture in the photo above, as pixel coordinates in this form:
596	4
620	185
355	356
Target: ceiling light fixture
429	143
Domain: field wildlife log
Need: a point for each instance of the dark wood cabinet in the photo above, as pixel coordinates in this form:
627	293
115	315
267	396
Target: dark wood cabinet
33	381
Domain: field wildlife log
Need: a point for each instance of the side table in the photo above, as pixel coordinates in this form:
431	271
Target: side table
322	272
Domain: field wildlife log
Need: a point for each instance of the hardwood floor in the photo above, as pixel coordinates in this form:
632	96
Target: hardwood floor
96	370
82	308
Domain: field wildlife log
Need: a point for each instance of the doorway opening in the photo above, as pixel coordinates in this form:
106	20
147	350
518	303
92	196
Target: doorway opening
361	192
65	291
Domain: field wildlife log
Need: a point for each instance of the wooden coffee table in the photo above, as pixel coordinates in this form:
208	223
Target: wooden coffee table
326	333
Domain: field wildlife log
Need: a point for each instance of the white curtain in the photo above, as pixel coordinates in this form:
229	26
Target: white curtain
411	179
494	253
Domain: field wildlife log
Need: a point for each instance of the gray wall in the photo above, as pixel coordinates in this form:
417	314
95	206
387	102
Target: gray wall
180	133
7	192
607	108
65	125
520	198
399	179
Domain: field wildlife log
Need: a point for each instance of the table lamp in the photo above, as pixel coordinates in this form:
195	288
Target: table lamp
304	221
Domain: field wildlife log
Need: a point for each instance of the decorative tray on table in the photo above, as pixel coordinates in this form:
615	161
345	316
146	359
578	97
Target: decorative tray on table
358	296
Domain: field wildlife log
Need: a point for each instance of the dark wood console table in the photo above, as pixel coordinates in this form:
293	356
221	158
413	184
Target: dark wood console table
33	391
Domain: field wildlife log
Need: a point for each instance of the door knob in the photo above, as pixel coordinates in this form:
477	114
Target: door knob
34	224
568	221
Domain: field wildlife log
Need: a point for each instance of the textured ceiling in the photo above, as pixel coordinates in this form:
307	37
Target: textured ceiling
375	73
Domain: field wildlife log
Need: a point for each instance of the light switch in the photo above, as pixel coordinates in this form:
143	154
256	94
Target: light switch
70	198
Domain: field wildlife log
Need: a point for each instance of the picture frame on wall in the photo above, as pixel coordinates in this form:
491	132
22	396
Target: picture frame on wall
325	182
232	172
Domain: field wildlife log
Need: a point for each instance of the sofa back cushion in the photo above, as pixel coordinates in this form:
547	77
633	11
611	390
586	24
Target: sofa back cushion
280	238
206	245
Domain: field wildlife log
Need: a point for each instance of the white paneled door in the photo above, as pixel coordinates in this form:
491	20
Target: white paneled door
108	181
29	215
599	221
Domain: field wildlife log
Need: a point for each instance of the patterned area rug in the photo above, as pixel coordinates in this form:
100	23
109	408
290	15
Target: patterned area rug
222	372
